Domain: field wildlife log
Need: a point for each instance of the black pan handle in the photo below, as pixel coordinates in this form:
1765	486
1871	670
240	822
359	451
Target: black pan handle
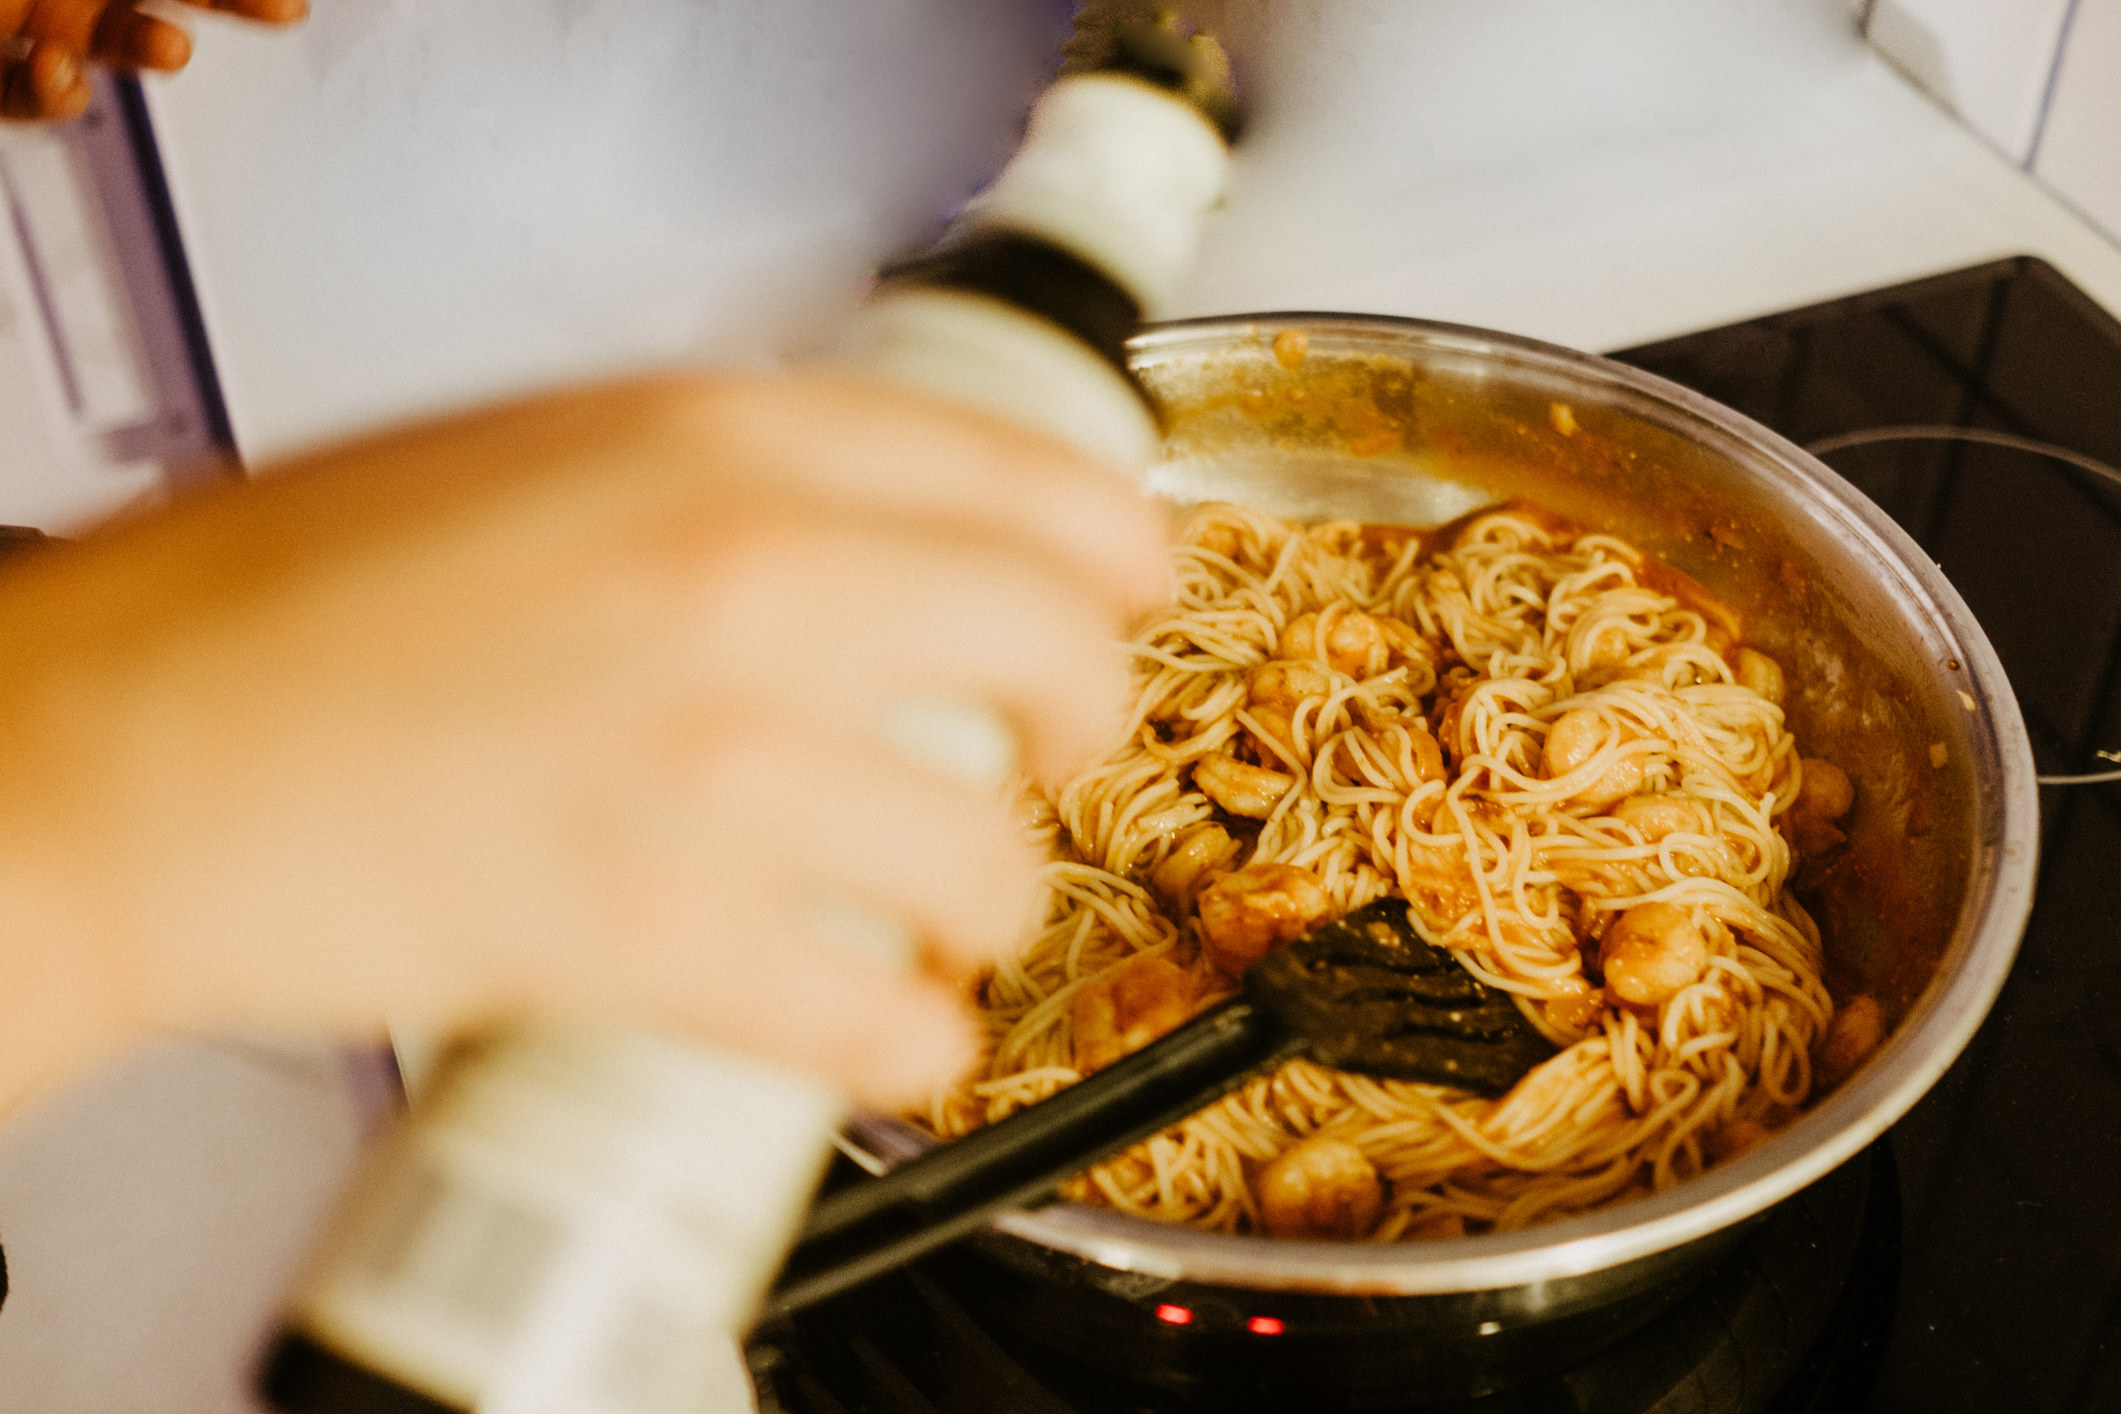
871	1227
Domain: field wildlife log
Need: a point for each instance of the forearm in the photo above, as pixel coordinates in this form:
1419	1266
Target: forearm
62	1006
563	709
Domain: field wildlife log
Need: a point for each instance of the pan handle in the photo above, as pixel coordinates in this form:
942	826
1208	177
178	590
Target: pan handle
873	1226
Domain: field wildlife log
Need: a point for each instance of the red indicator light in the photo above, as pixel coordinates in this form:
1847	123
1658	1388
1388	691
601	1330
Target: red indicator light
1264	1325
1174	1315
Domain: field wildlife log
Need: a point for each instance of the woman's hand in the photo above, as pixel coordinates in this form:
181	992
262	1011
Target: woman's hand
566	710
46	46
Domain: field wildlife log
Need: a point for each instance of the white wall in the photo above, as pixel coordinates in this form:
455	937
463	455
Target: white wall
2039	79
403	206
2080	150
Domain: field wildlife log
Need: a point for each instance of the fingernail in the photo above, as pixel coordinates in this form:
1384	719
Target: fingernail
967	741
864	931
166	48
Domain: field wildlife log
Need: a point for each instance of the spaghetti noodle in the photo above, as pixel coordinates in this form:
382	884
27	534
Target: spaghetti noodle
1575	780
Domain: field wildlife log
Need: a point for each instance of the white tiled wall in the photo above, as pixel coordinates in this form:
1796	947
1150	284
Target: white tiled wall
1988	60
2040	79
2080	149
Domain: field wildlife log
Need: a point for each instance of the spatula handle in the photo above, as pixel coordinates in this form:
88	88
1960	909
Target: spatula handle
871	1227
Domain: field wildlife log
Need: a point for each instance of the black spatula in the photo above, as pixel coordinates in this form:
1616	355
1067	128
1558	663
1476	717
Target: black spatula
1363	994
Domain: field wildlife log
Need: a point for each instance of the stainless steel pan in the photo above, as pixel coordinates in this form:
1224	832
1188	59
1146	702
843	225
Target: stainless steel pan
1391	420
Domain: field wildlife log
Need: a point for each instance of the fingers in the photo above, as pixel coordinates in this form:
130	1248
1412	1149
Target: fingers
275	12
65	24
808	818
721	880
46	85
130	39
41	75
603	672
871	448
837	620
108	31
890	1040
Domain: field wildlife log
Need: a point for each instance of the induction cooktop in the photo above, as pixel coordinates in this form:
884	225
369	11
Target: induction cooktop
2010	1285
1972	1259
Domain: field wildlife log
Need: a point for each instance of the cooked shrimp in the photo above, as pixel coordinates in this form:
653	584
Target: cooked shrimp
1201	850
1274	734
1127	1008
1573	739
1220	538
1405	641
1761	673
1827	792
1320	1188
1826	795
1401	742
1438	880
1854	1033
1596	649
1273	692
1350	641
1651	951
1286	683
1450	715
1574	1009
1576	737
1428	752
1239	788
1656	816
1246	915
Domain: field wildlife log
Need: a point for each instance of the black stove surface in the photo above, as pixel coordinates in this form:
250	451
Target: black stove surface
2010	1293
1973	1260
1793	1321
